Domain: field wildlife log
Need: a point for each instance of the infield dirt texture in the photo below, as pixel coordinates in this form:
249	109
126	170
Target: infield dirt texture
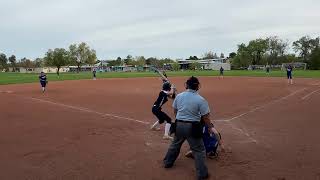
100	130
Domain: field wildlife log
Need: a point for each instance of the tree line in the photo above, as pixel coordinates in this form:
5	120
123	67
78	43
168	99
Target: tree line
275	51
262	51
76	54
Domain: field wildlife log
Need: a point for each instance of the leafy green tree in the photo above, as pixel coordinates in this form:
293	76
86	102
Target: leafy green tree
80	54
243	57
232	55
26	63
152	61
208	55
315	59
92	57
257	48
304	47
117	62
175	66
193	58
39	62
58	57
195	66
13	61
3	61
128	60
140	61
276	49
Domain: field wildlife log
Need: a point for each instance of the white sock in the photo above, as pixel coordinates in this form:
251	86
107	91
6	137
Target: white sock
155	125
167	129
42	88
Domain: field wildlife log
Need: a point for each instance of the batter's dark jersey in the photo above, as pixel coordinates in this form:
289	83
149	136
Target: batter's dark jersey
162	99
156	109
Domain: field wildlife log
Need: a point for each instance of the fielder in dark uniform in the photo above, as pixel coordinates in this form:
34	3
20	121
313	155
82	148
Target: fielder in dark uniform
289	74
221	72
157	106
94	72
268	69
43	81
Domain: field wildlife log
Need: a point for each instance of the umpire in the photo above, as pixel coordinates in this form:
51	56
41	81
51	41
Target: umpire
190	108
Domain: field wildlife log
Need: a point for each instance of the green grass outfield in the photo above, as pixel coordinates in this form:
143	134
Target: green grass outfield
18	78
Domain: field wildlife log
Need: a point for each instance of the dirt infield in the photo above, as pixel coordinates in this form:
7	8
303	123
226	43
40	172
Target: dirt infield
100	130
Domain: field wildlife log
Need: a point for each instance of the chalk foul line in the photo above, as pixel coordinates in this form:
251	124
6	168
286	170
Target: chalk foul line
308	95
260	107
243	131
89	111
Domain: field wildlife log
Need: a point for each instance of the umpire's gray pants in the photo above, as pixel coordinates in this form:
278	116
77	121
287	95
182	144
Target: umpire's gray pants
184	132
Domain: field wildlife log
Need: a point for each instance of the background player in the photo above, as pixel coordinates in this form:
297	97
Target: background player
43	81
157	109
94	72
289	74
221	72
267	69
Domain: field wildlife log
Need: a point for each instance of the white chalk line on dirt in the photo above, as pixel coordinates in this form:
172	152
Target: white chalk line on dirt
251	139
244	132
89	111
308	95
260	107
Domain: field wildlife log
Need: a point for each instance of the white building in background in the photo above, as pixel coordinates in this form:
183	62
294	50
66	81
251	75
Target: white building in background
207	64
39	70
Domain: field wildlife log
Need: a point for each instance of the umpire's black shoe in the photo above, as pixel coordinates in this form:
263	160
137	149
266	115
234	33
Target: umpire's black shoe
168	166
205	177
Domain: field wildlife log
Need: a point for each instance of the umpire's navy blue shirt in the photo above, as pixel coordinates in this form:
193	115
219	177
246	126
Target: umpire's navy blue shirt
190	106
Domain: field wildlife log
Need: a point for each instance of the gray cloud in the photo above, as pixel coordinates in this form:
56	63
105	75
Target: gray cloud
166	28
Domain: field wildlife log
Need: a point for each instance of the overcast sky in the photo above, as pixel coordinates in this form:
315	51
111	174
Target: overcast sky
160	28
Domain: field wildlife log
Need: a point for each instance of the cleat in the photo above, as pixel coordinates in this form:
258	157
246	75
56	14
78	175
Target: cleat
155	129
166	137
189	154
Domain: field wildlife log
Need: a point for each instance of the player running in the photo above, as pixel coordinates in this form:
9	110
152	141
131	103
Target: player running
165	93
43	81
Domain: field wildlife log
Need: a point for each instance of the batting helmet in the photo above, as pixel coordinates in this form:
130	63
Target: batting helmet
166	86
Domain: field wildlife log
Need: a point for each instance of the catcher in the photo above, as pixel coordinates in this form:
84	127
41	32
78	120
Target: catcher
166	92
211	143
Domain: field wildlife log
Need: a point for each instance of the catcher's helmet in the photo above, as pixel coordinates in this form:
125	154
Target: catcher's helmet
166	86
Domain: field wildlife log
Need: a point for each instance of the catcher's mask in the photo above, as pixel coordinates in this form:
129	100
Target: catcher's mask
166	86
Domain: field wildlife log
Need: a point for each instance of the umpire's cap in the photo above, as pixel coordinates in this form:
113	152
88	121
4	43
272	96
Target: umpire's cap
193	83
166	86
